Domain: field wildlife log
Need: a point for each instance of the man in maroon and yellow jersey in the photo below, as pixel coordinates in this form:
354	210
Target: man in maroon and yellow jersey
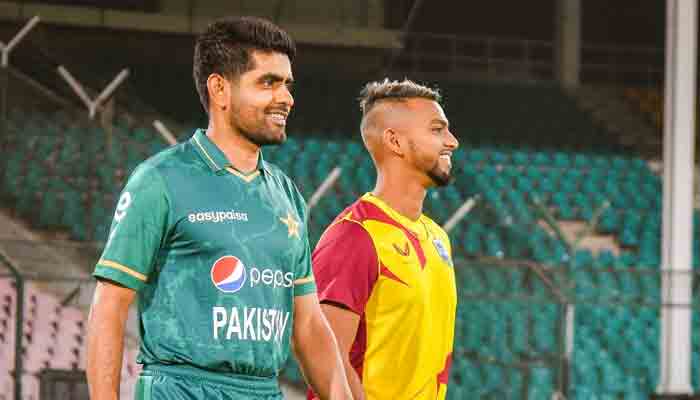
383	269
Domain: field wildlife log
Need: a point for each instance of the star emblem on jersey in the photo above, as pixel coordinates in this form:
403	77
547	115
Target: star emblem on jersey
292	225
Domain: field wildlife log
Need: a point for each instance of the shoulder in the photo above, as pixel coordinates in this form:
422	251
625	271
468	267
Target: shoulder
286	183
169	163
434	226
178	156
343	259
346	233
279	175
437	231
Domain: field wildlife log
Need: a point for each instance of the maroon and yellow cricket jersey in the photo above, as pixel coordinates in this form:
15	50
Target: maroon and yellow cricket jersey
397	274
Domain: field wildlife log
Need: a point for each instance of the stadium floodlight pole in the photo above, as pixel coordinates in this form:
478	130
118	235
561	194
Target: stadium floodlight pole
165	132
323	188
675	345
92	105
462	211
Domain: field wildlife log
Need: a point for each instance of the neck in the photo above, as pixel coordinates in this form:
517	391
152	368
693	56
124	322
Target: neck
240	152
402	193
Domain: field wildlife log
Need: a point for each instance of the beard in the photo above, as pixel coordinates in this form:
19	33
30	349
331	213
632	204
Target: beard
438	176
260	136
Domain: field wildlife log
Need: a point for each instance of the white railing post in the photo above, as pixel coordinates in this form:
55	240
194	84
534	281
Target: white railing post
109	89
75	85
323	188
7	48
78	88
460	213
165	132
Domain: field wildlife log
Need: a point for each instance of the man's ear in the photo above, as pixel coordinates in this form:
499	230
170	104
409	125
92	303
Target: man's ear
219	90
393	142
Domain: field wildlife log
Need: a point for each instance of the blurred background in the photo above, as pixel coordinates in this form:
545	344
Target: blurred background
567	286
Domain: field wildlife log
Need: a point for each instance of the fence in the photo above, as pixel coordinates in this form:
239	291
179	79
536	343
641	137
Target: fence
456	57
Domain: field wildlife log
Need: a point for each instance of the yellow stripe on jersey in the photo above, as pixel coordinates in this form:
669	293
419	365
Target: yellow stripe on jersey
205	152
302	281
123	268
246	178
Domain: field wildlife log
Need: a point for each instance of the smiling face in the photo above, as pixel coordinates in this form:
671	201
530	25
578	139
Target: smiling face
430	141
261	99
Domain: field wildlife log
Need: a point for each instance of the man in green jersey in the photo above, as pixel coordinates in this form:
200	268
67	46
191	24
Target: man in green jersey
212	240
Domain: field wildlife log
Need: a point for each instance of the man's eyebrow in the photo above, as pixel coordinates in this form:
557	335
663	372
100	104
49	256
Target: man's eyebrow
276	78
440	121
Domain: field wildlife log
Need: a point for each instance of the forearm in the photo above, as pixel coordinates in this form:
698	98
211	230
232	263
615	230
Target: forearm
105	348
354	380
319	359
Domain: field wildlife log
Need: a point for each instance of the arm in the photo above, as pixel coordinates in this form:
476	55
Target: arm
316	350
345	267
344	324
105	339
138	229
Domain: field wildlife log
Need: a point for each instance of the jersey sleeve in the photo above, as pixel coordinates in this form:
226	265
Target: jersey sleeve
139	226
304	282
346	266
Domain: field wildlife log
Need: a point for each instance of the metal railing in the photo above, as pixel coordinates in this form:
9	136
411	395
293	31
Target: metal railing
506	58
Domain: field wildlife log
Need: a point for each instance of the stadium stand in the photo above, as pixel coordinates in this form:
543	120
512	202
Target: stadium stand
649	101
521	145
53	338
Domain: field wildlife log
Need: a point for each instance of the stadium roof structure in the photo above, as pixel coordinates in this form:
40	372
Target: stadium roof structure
341	31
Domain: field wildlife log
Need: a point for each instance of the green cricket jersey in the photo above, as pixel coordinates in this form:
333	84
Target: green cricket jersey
216	257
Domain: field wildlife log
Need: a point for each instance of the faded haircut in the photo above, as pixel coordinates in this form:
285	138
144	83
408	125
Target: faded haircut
400	91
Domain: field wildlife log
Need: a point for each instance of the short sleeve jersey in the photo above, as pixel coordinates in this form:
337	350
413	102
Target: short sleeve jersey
216	256
397	275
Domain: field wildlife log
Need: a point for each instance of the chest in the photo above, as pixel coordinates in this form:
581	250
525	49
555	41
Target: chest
416	276
216	216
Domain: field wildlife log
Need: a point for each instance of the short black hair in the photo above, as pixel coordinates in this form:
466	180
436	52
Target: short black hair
226	45
387	90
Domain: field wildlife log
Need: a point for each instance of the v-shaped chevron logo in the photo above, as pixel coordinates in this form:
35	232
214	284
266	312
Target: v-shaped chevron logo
406	249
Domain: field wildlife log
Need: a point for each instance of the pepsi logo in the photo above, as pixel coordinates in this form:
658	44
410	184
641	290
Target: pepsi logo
228	274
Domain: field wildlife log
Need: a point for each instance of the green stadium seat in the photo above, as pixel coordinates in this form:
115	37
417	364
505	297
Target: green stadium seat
546	149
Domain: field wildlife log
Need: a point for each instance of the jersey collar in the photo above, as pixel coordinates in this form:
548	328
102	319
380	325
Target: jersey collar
418	227
216	159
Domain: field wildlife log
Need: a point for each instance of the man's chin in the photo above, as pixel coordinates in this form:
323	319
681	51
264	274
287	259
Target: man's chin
270	138
277	138
440	178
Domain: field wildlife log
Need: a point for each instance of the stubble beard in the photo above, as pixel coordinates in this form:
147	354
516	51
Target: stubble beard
439	177
259	137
